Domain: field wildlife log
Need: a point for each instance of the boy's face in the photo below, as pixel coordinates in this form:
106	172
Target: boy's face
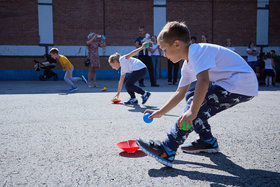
54	55
115	65
172	52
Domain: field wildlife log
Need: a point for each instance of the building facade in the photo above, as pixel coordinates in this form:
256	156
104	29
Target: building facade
30	28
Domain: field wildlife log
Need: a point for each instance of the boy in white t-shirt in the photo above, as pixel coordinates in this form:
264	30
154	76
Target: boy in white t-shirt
138	71
224	79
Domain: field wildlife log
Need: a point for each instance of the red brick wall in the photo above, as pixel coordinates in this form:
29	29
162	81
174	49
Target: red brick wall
274	23
236	20
74	20
123	17
196	14
230	19
19	22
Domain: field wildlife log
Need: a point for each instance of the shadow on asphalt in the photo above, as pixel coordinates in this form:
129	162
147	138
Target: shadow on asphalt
138	108
137	154
240	176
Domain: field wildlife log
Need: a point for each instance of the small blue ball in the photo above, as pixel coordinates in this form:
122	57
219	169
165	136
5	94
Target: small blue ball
146	119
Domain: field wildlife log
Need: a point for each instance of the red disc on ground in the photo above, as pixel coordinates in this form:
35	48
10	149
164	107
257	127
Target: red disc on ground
116	101
129	146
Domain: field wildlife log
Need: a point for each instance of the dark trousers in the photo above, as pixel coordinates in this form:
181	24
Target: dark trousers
132	79
217	99
175	68
147	60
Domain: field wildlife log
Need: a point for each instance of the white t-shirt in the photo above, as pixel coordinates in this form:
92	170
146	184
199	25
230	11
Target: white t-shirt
231	48
251	58
156	53
268	63
225	67
130	65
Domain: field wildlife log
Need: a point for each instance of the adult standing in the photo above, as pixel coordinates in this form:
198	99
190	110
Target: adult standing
143	56
252	55
175	67
94	41
155	52
272	53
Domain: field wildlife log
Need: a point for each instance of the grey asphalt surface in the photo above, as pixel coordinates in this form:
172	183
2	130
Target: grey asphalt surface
51	138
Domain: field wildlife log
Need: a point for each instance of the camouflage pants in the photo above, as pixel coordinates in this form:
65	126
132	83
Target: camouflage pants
216	100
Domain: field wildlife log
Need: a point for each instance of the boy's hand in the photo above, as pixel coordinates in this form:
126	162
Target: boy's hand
154	114
188	117
116	96
145	44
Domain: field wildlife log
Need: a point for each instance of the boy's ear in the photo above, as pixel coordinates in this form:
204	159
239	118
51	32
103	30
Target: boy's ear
177	43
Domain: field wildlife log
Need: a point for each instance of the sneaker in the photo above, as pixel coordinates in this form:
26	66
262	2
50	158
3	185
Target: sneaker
156	150
199	146
84	80
170	83
73	89
131	101
145	97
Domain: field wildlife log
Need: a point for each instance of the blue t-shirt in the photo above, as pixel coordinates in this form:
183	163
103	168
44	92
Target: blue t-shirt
139	39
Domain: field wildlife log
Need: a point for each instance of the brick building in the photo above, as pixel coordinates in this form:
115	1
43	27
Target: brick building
30	28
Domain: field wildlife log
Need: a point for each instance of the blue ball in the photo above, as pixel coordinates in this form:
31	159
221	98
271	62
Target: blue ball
146	119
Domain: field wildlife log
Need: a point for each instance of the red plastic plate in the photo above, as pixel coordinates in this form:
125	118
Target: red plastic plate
129	146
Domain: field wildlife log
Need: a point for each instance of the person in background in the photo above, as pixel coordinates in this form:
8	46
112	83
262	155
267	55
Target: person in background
229	45
155	52
94	41
272	53
260	69
143	56
268	70
137	69
68	67
193	40
204	38
252	55
175	67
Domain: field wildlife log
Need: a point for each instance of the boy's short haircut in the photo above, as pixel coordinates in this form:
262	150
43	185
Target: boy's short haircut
174	31
54	50
113	57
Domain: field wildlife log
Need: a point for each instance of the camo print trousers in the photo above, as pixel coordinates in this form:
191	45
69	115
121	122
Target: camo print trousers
216	100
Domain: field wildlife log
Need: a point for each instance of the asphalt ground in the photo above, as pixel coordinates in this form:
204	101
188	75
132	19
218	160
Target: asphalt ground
49	137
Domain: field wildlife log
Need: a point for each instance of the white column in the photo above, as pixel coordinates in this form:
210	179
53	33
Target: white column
45	21
159	15
262	22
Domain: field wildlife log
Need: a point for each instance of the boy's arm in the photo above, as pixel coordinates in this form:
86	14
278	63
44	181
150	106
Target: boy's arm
134	52
176	98
120	85
201	88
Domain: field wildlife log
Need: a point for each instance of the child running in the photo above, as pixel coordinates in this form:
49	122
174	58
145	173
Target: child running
138	70
224	79
68	67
